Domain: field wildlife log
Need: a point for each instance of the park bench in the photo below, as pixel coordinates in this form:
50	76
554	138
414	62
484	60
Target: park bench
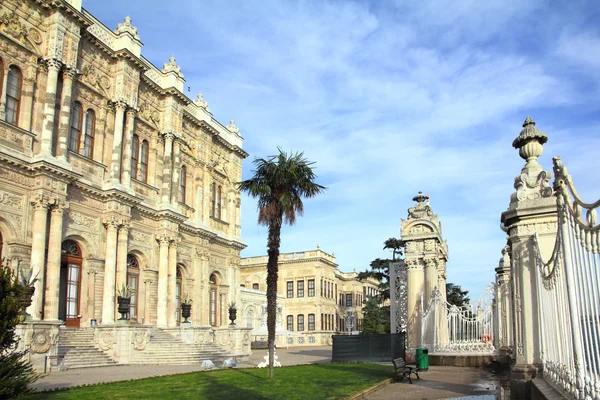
403	370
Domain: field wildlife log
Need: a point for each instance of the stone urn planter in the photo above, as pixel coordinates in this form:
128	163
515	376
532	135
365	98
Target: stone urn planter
25	300
124	304
232	313
186	311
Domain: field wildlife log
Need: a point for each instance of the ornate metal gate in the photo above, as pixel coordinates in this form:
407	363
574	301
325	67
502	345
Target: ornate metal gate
398	297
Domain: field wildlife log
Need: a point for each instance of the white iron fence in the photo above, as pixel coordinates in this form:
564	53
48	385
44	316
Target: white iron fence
447	328
569	295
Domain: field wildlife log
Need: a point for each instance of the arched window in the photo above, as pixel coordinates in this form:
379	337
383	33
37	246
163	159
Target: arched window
144	162
249	319
13	94
182	184
133	280
90	129
311	322
135	150
218	214
300	322
290	323
75	133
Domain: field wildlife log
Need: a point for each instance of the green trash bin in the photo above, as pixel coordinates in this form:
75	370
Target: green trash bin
422	359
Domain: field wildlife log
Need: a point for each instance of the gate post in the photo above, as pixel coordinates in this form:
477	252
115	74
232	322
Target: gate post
532	210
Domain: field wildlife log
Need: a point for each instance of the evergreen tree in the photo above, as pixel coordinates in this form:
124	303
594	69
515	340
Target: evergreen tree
16	373
376	319
380	267
456	296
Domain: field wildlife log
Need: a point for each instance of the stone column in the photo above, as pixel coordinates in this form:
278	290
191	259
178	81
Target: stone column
122	240
108	297
64	122
163	272
53	66
176	173
38	253
115	164
431	280
129	126
171	285
166	186
51	297
91	303
415	287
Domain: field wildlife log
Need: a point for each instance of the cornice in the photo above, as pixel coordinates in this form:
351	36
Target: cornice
44	167
121	196
128	55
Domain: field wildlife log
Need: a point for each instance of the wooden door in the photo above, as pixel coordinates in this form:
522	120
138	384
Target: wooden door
73	294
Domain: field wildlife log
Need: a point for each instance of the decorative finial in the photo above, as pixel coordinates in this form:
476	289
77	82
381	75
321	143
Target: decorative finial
172	66
420	198
530	141
200	102
127	27
233	128
318	246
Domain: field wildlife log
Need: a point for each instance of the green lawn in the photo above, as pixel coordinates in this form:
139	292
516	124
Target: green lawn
317	381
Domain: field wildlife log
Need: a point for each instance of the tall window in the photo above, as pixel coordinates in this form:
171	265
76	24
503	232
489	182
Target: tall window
348	299
133	279
290	323
213	199
300	288
144	162
300	323
135	151
255	286
311	322
182	183
13	95
311	288
321	287
75	133
212	310
335	295
290	289
218	214
90	128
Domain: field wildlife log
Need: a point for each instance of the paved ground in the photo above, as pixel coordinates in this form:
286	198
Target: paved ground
437	383
443	383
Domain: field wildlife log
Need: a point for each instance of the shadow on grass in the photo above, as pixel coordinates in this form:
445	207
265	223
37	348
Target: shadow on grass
362	369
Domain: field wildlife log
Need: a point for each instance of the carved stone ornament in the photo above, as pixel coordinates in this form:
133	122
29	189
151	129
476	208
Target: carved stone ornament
232	127
126	27
200	102
10	200
422	209
104	338
172	66
41	341
140	339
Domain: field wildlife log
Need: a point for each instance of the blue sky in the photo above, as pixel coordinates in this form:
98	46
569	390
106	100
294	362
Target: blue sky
389	98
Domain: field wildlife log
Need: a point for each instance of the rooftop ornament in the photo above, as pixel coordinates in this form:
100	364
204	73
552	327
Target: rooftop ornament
172	66
530	144
127	27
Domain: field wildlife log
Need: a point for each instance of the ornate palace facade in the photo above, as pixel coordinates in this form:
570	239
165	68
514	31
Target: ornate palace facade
111	175
317	298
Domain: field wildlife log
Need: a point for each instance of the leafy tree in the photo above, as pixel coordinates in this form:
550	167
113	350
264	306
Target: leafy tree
279	183
16	373
380	267
376	319
456	296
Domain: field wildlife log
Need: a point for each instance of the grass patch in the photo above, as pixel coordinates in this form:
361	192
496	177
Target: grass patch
317	381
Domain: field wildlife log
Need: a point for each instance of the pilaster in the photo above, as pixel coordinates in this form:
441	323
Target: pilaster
51	297
129	127
176	173
416	286
122	249
108	297
166	186
171	284
115	165
38	253
163	272
47	135
65	114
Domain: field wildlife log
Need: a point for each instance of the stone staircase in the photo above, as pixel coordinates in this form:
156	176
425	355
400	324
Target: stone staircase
77	347
165	349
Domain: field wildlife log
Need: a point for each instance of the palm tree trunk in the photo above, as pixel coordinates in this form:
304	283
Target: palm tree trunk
273	243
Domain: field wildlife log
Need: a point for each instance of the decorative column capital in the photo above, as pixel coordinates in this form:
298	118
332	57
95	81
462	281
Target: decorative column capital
169	136
119	105
52	64
40	202
202	254
413	263
111	223
165	237
69	72
430	262
58	205
131	113
92	271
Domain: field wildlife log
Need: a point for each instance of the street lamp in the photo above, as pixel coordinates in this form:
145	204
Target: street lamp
350	315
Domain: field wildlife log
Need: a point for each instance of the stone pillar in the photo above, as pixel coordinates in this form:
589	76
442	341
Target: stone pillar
121	275
129	126
147	287
166	186
431	279
115	164
64	122
53	66
38	253
176	173
416	285
108	297
91	303
532	210
163	271
51	297
171	285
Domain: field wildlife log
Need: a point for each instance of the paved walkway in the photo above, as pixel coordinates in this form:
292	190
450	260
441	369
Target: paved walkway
88	376
437	383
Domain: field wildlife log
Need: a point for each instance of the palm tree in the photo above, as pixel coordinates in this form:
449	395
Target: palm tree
279	183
